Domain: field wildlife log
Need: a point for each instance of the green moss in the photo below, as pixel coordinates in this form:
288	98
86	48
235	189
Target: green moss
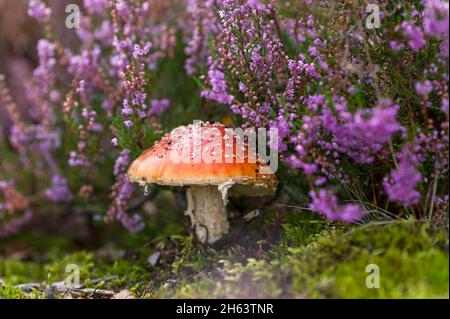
402	275
308	259
15	271
413	262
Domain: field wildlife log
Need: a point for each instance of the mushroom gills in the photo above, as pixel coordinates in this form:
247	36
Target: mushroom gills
207	213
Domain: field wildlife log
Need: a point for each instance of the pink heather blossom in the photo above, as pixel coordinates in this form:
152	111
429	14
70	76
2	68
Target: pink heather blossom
123	190
325	203
59	191
436	22
423	88
436	18
401	184
361	135
158	107
416	39
396	46
218	92
38	10
444	106
123	9
96	6
256	4
140	52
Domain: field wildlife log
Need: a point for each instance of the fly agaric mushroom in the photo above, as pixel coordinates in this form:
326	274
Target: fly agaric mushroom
213	163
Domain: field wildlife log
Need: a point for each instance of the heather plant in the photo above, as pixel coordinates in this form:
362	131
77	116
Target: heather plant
358	110
361	113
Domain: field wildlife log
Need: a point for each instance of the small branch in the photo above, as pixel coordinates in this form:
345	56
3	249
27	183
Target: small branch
60	285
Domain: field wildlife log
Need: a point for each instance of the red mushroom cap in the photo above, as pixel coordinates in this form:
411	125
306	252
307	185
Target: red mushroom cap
194	143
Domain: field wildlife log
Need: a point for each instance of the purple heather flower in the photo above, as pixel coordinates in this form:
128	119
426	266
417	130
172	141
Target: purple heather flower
38	10
59	192
242	87
105	33
325	203
123	191
46	52
44	72
126	188
436	22
158	107
96	6
320	181
444	106
218	82
139	52
324	65
134	223
46	140
126	111
308	168
256	4
313	51
415	36
55	96
318	42
314	101
77	159
310	69
138	98
123	9
423	88
361	135
107	105
283	128
352	89
201	25
436	18
128	123
400	185
396	46
122	161
81	87
4	184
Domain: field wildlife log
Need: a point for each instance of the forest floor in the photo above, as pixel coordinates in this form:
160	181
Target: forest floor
294	255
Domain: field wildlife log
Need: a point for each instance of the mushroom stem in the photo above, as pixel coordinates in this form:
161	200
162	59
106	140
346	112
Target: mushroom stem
207	213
